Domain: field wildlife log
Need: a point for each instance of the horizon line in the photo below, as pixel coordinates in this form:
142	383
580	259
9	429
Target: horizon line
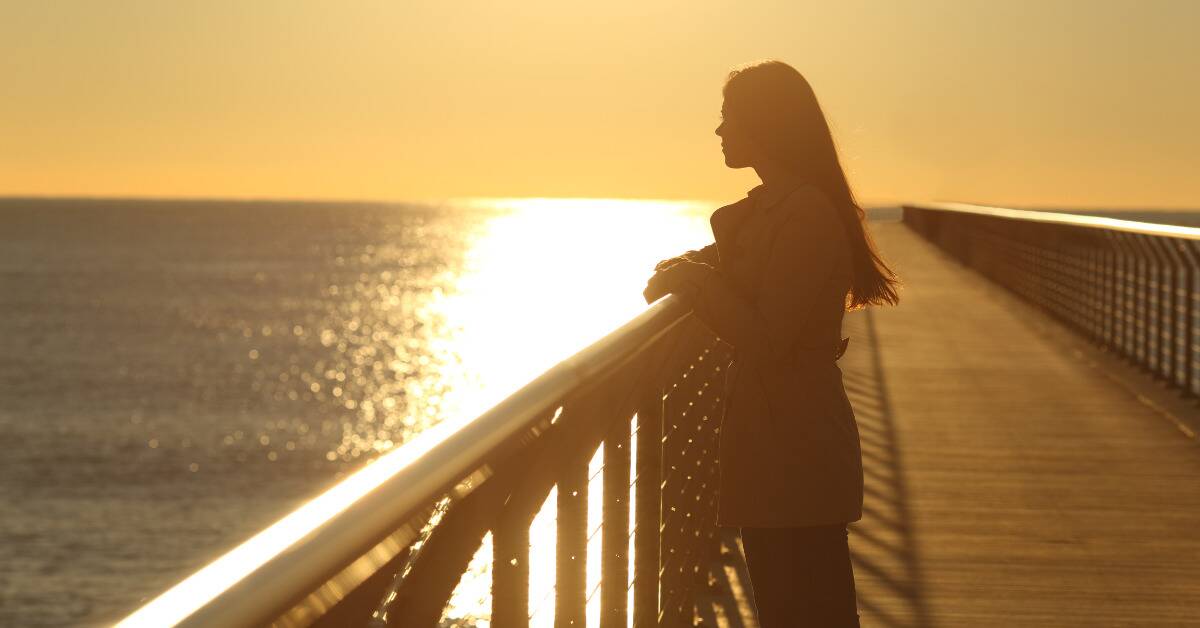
877	204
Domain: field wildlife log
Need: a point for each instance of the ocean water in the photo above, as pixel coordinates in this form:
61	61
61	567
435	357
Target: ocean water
174	376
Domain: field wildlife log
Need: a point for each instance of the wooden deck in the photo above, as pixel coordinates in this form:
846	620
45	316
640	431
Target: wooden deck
1009	481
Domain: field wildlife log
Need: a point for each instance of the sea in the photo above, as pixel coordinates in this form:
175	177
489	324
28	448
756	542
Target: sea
175	375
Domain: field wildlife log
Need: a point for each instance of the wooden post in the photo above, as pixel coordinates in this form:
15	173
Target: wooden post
614	578
648	510
571	553
510	575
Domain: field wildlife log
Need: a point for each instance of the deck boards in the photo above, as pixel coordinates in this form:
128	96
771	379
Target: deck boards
1007	483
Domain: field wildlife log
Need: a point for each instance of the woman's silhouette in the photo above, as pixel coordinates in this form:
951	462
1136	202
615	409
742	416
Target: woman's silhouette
788	261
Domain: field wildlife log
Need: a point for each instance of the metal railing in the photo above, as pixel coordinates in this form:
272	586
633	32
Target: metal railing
387	545
1131	287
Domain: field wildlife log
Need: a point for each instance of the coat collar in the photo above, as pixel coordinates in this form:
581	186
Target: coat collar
762	197
768	195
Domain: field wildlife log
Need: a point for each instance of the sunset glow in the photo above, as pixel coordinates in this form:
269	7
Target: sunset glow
302	301
1065	102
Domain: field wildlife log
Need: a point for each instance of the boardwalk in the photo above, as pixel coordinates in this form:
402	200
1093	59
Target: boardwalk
1009	482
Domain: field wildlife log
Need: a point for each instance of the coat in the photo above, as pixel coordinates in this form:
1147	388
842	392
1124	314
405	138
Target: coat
789	445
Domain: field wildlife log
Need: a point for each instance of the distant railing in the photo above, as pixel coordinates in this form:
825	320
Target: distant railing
386	546
1133	287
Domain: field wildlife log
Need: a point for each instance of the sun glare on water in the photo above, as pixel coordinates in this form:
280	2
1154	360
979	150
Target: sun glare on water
541	279
545	278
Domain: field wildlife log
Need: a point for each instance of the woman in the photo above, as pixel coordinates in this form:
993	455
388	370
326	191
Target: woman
788	261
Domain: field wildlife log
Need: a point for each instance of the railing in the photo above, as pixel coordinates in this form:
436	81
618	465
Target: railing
387	546
1132	287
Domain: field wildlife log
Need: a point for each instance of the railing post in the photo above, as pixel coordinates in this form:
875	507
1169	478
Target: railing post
1108	292
648	510
1126	327
1095	287
614	574
1193	323
1153	296
1181	306
571	550
673	579
510	575
1141	300
1189	313
1169	266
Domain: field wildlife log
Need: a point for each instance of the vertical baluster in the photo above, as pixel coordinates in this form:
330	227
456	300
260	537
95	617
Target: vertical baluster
1193	301
1071	286
1062	282
510	574
1125	297
1152	305
1186	310
1020	266
1028	274
1062	267
1108	293
571	551
1168	270
1141	302
614	575
1035	273
1049	267
1171	309
1046	257
1183	278
672	541
1093	276
1084	282
648	514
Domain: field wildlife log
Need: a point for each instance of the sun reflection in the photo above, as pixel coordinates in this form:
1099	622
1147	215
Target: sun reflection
544	278
404	344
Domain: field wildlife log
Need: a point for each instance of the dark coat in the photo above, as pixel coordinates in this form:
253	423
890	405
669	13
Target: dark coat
789	444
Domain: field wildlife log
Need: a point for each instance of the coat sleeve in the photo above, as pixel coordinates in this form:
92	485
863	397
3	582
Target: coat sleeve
799	264
703	255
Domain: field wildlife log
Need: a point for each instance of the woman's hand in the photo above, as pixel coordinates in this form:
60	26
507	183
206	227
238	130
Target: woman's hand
679	278
656	288
667	263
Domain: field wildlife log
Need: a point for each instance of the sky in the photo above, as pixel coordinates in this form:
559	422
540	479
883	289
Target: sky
1054	103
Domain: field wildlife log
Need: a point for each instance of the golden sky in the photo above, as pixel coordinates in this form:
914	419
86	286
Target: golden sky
1021	102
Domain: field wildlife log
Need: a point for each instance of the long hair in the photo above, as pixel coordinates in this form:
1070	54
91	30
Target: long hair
780	113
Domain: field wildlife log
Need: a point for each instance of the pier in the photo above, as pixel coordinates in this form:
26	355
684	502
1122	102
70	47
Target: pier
1028	424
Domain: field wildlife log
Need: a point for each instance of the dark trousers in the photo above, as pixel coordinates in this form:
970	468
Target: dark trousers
801	576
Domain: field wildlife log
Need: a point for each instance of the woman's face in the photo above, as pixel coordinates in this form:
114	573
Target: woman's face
740	151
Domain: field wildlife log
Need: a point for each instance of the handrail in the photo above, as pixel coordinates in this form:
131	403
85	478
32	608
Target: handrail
1131	287
298	568
1060	218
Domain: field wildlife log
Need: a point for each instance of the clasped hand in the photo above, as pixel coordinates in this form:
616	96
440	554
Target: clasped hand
675	276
